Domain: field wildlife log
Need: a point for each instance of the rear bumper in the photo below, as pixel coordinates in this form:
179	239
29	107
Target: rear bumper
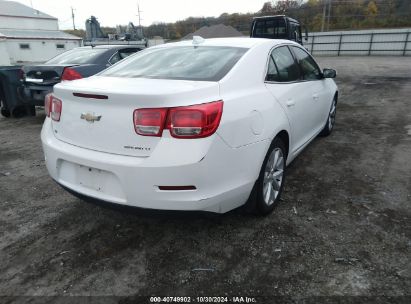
223	178
34	94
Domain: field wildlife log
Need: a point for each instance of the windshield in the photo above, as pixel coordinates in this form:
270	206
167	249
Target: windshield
77	56
206	63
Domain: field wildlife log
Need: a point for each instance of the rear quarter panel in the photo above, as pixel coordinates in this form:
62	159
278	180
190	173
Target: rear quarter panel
251	114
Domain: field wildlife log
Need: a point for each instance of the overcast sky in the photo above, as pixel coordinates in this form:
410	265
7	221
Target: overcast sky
113	12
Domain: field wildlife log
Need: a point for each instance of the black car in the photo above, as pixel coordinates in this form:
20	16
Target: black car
277	27
38	80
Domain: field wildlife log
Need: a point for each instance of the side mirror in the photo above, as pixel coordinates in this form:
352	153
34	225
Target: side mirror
329	73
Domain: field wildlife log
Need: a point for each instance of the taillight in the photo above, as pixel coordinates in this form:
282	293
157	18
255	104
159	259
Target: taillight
195	121
183	122
47	104
70	74
149	122
56	106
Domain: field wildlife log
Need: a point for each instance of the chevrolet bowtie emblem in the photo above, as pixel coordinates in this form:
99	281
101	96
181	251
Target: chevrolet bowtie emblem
90	117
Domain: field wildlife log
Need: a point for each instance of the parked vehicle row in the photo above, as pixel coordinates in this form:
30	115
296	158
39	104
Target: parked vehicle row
36	81
206	125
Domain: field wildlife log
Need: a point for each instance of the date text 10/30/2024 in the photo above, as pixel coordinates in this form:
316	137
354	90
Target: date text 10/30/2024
238	299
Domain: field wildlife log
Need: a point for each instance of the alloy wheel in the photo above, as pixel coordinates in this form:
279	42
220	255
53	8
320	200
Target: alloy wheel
273	176
331	118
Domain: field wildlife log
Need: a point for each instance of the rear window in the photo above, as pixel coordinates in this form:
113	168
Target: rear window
203	63
274	28
77	56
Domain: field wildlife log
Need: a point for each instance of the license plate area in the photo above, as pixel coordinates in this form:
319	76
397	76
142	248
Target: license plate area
90	180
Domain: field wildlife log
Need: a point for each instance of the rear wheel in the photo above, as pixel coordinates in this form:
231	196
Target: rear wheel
269	186
5	112
31	110
19	112
329	125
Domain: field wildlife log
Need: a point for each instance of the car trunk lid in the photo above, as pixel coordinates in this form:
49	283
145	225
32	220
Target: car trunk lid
97	113
44	74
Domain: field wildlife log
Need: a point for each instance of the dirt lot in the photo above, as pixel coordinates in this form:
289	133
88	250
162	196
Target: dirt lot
343	227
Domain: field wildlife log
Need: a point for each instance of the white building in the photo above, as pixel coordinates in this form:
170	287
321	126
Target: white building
28	35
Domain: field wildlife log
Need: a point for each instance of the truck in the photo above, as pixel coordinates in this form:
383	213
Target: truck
277	27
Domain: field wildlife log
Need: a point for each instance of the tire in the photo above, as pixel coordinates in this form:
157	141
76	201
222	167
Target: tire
268	188
3	108
19	112
31	110
329	125
5	113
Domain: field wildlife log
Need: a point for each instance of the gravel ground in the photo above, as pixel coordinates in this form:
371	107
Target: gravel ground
342	228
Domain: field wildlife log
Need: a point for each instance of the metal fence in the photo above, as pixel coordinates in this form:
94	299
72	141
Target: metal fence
390	42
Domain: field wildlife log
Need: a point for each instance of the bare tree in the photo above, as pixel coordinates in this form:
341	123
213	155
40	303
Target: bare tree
282	6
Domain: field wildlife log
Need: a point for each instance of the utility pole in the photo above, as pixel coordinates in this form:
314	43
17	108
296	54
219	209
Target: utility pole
139	15
139	19
324	11
329	14
72	16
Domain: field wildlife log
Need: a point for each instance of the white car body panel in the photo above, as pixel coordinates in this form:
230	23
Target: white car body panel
92	159
113	133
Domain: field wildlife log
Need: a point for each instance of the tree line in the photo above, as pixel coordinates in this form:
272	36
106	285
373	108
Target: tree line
316	15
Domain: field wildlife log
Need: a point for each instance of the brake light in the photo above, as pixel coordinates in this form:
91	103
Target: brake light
70	74
149	122
47	104
183	122
55	107
195	121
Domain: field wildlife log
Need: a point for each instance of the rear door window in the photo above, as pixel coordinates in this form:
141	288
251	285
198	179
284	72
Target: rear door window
308	66
115	58
272	72
124	53
286	66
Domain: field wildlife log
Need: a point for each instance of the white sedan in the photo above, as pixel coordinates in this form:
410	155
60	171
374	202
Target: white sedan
207	125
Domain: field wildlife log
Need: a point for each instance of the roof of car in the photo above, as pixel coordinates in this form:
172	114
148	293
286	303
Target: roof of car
275	17
233	42
113	46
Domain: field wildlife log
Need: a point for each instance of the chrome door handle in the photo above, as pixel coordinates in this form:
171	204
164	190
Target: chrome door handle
316	97
290	102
